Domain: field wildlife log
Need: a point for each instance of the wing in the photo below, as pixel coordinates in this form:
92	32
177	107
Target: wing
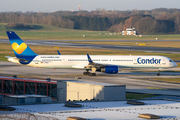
107	68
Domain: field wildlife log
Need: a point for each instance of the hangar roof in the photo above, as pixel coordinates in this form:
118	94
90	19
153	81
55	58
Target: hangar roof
93	83
113	110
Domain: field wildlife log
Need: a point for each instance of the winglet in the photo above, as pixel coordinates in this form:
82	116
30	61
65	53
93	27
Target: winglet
89	59
58	52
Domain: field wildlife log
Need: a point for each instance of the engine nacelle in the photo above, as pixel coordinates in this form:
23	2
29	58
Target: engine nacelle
110	69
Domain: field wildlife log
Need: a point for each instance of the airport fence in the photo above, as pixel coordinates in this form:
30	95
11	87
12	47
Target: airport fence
9	115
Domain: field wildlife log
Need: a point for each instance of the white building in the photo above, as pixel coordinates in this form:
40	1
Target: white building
129	31
80	91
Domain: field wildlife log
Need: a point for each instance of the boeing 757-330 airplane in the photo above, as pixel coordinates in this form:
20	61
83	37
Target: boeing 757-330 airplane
101	63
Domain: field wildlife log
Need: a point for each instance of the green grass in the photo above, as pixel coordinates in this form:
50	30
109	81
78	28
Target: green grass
138	96
172	80
45	32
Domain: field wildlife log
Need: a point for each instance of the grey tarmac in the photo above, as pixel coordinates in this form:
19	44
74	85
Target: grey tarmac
116	47
135	80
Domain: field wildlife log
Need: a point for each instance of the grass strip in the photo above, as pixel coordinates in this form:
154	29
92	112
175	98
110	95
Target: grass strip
138	96
172	80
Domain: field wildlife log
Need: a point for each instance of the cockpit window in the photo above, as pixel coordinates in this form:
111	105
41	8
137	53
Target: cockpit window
170	61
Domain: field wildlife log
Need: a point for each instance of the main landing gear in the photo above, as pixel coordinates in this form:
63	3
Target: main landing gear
159	73
88	73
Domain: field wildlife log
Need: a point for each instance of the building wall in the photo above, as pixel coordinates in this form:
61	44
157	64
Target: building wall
81	91
9	101
30	100
61	91
115	93
45	99
16	86
6	100
128	32
0	99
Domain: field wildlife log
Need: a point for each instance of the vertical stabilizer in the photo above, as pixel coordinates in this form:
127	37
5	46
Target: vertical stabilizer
21	50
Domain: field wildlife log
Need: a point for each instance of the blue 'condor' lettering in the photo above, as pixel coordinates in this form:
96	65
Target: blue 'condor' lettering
148	61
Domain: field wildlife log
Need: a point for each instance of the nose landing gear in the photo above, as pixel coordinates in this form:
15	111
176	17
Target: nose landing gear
159	73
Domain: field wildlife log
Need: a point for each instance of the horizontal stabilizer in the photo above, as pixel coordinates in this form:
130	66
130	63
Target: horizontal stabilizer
8	56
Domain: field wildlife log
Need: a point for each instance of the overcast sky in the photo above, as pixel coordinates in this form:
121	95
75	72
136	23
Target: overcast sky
57	5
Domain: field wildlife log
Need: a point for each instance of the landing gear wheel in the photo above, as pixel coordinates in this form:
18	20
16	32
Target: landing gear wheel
86	73
93	74
158	74
90	74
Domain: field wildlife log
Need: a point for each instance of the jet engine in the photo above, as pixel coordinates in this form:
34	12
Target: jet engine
110	69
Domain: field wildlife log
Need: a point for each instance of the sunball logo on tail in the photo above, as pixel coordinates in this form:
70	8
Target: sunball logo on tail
19	48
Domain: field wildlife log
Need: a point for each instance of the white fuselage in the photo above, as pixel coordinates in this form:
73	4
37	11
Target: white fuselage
79	61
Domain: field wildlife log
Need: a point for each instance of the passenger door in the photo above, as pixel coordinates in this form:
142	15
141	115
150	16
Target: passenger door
36	61
135	61
163	61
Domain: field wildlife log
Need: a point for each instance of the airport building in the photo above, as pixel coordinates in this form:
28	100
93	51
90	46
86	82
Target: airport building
30	91
24	99
81	91
129	31
24	86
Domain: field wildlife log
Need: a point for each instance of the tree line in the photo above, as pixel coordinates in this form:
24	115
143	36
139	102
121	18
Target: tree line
36	18
147	25
154	21
94	23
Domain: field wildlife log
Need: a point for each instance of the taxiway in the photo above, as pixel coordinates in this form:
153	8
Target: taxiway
135	80
117	47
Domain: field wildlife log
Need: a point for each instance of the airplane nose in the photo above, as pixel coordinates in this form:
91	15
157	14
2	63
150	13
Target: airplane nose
174	64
